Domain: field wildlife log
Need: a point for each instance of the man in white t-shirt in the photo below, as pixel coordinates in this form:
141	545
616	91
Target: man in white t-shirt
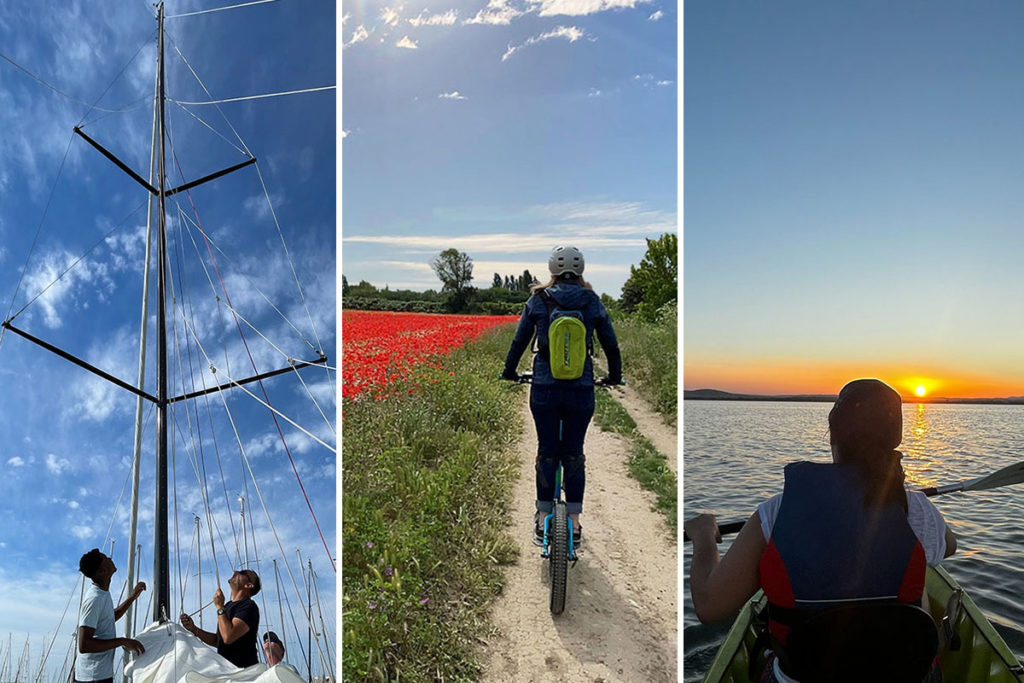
97	637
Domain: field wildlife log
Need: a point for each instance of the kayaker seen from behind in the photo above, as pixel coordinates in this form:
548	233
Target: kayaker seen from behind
840	533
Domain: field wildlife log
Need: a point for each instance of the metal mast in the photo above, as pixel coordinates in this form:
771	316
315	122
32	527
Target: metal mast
161	563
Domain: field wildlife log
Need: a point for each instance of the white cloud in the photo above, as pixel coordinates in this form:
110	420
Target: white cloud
453	95
358	36
344	133
56	465
16	461
664	83
406	43
550	8
82	531
446	19
594	92
497	242
570	33
73	504
656	16
390	16
61	263
497	13
345	17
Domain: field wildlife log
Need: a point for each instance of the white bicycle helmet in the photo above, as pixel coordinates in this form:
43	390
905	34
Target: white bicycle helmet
566	260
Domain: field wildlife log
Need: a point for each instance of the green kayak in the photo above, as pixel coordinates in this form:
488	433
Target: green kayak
980	655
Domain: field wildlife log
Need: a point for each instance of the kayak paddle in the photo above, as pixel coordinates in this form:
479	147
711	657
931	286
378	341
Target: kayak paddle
1011	474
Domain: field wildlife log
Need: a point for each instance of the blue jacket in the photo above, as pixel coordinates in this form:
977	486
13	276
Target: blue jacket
570	295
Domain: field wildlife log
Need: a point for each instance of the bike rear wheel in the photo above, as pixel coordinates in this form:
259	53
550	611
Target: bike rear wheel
559	556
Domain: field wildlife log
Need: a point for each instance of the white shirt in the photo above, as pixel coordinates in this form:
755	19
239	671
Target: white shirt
98	613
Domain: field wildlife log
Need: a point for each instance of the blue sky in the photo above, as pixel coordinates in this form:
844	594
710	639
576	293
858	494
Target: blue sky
503	129
853	195
66	457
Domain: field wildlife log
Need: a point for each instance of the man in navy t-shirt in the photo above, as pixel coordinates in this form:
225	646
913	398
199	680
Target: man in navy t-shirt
238	620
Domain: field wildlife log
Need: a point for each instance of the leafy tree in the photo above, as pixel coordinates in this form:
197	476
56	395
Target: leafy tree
344	286
526	281
655	281
497	281
455	270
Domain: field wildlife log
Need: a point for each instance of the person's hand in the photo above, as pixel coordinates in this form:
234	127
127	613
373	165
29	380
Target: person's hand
511	376
702	526
187	623
133	645
218	599
139	587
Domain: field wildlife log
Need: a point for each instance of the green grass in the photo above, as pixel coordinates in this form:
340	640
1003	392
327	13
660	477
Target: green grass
426	482
650	358
646	464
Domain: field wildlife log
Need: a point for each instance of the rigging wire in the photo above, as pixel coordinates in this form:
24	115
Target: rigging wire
245	98
314	347
77	261
274	412
75	99
35	238
218	9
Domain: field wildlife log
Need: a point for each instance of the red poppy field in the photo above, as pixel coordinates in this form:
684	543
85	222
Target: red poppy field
379	348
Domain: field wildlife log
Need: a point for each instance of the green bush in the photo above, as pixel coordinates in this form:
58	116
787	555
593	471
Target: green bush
427	475
650	357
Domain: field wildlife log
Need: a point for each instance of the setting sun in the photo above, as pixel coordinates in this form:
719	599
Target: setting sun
920	390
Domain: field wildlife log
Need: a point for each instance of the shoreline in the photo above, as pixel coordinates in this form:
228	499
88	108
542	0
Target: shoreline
716	395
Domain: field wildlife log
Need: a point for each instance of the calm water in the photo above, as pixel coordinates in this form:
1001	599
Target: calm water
734	452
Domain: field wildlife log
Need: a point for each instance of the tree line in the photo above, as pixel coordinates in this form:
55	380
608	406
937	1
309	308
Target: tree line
652	284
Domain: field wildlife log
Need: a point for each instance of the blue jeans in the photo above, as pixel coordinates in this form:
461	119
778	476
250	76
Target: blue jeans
561	415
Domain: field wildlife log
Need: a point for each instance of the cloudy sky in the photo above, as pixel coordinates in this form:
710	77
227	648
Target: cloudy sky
66	210
502	129
853	196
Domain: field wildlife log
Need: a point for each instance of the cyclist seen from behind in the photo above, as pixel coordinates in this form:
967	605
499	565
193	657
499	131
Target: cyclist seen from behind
563	316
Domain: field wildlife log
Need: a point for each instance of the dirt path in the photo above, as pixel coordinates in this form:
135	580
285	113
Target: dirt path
619	622
651	425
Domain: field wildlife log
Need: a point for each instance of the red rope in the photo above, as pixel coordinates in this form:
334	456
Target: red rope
252	362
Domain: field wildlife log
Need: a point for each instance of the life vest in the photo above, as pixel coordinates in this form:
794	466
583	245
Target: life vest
827	549
568	343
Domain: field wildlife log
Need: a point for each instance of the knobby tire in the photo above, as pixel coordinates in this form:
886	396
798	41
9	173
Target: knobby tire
559	557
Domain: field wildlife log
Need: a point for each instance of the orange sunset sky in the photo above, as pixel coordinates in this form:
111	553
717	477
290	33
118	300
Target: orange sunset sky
816	377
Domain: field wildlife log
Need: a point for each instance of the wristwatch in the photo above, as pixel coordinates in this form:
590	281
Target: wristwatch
220	611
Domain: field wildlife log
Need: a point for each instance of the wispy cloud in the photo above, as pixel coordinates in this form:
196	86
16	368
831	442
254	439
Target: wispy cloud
390	16
656	16
550	8
406	43
358	36
444	19
55	465
570	33
495	242
16	461
497	13
453	95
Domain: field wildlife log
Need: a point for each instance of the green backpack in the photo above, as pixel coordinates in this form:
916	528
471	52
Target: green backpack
567	340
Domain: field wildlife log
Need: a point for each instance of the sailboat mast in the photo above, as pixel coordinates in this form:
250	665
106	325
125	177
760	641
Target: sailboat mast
161	562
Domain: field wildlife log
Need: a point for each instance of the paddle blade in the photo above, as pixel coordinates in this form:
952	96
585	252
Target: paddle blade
1012	474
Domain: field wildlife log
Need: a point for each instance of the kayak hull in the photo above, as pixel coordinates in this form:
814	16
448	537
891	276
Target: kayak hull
982	655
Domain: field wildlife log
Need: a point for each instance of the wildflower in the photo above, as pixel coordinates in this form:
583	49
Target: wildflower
424	601
369	544
388	571
371	605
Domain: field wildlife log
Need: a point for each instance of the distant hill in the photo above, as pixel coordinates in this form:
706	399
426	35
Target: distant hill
717	395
